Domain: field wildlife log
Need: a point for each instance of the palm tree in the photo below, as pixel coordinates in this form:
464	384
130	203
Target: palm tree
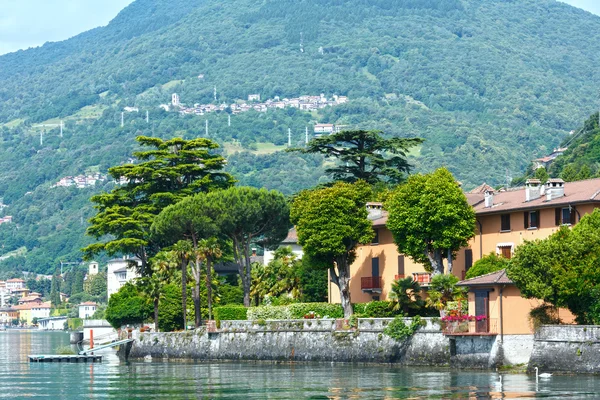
211	251
162	271
183	250
406	293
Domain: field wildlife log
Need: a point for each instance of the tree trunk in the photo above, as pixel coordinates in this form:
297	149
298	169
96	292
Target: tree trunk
248	282
156	313
209	286
196	292
450	262
343	279
435	259
184	292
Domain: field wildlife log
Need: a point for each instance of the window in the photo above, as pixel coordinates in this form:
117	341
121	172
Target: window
375	266
376	238
505	251
532	219
565	216
505	222
375	298
468	259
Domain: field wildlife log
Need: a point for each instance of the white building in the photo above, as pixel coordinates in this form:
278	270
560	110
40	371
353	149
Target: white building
120	271
93	268
254	97
15	284
87	309
175	99
324	128
41	310
290	241
52	323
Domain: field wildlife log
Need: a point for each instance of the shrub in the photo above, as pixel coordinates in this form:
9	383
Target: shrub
74	323
488	264
230	313
380	309
170	313
127	306
321	310
546	314
399	330
269	312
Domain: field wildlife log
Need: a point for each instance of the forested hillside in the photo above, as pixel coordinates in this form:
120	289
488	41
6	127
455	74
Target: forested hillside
489	86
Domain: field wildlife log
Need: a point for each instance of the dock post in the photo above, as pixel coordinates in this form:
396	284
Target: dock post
91	338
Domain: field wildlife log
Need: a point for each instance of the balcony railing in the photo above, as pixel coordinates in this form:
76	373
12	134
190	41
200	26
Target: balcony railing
397	277
488	326
370	283
422	277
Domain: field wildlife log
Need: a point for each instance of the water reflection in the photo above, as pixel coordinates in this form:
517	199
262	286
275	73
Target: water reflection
234	380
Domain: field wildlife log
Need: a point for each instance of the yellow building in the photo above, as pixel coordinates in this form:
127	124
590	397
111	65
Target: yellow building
505	219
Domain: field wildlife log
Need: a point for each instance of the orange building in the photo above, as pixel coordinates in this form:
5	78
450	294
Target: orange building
504	220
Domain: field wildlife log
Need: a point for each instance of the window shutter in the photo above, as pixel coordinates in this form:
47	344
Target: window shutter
573	216
468	259
401	265
557	212
526	217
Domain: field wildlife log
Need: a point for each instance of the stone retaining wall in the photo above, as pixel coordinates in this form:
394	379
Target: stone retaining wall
567	348
298	340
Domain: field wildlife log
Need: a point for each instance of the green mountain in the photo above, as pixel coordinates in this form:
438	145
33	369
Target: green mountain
581	159
489	85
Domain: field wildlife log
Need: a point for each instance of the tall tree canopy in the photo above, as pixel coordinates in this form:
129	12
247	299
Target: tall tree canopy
364	155
330	223
248	216
430	219
563	269
170	171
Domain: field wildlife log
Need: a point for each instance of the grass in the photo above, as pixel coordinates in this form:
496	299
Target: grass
14	123
64	350
171	84
18	252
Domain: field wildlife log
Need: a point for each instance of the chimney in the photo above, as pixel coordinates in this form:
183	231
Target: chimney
375	210
489	198
532	189
555	188
253	252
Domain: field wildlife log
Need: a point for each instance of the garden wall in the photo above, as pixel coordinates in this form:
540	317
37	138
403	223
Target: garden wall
299	340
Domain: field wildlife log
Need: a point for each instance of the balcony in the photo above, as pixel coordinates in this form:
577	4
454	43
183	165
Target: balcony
370	284
422	278
486	327
398	277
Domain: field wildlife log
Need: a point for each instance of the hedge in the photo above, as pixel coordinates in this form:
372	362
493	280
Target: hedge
375	309
269	312
230	313
322	310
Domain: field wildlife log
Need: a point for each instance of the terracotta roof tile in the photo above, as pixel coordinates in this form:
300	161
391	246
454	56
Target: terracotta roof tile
493	278
586	191
292	236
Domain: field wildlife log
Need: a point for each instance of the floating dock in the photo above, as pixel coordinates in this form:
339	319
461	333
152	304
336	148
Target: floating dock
65	358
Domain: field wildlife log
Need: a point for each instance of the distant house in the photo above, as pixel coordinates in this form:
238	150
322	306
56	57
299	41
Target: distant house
254	97
119	272
324	128
87	309
8	315
291	241
29	311
14	284
30	300
52	323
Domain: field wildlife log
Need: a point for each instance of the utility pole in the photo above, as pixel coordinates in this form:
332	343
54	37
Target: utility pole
61	128
289	137
215	93
206	129
147	117
228	119
42	137
306	135
122	119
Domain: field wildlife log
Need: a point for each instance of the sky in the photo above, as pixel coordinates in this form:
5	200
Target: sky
31	23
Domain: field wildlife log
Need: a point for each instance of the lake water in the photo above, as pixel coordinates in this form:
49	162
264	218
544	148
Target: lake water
154	380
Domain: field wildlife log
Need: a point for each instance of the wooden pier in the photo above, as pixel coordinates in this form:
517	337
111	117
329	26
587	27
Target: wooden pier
69	358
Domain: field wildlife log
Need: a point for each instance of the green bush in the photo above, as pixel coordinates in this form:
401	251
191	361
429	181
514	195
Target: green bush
269	312
487	265
127	306
398	330
230	313
170	312
74	323
299	310
380	309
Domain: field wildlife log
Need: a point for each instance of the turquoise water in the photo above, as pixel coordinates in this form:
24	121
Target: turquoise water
154	380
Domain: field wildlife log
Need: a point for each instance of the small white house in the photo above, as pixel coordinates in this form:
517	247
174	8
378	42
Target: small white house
52	323
87	309
120	271
290	241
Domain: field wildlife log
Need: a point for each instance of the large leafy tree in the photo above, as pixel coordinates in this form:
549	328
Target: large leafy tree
430	219
127	306
248	216
364	155
563	269
191	219
330	223
171	170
